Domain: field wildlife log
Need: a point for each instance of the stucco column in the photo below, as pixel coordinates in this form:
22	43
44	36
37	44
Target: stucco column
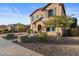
58	30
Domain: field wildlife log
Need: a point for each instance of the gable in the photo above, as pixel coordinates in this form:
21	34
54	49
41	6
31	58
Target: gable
60	10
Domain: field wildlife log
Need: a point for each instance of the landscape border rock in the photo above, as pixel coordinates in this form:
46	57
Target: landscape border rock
23	38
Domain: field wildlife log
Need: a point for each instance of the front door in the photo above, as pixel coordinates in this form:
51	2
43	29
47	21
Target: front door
39	27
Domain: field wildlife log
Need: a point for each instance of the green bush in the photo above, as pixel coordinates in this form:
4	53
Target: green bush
24	39
5	30
72	32
43	36
30	30
1	31
10	31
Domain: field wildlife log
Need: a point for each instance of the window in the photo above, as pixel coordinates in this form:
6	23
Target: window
53	28
48	29
51	12
37	16
54	11
32	18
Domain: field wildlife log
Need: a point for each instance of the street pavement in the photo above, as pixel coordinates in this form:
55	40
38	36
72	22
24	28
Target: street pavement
8	48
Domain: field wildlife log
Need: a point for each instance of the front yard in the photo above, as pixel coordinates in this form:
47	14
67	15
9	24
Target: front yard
66	46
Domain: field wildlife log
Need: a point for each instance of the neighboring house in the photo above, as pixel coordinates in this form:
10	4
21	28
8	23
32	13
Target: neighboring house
17	27
27	27
43	14
3	28
11	27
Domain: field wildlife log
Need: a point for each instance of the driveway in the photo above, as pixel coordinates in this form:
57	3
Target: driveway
7	48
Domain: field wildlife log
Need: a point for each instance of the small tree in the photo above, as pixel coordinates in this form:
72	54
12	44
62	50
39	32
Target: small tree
19	26
59	21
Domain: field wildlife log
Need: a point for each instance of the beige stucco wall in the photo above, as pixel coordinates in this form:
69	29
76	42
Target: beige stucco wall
37	13
35	26
51	33
54	33
58	30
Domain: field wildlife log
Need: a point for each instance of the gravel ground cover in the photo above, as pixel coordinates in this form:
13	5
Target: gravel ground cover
67	46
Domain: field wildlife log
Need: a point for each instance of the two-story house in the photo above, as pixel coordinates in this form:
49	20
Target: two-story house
43	14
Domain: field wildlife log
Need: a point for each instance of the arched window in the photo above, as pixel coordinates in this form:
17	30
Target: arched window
39	27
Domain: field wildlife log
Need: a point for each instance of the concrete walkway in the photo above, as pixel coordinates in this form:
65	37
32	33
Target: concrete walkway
7	48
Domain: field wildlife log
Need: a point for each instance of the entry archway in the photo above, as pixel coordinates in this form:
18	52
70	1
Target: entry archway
39	27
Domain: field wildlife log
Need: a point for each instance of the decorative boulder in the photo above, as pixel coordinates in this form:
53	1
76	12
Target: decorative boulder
23	38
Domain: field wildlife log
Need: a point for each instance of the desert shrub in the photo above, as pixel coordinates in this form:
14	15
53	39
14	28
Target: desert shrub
10	36
72	32
43	36
30	30
6	31
1	31
10	31
23	39
35	32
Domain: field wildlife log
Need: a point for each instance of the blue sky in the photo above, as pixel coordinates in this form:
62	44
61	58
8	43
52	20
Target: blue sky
11	13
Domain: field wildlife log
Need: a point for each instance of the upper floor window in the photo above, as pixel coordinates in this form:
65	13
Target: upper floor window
37	17
51	12
32	18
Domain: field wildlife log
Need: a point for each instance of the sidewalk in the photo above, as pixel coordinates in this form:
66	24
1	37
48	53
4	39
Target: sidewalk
7	48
